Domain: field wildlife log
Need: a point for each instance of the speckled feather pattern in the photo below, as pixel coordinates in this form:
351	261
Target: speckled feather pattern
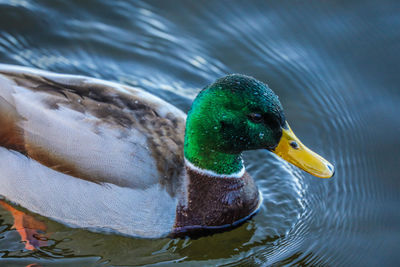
90	153
128	117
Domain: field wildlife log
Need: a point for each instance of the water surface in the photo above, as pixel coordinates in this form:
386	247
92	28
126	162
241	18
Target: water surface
335	66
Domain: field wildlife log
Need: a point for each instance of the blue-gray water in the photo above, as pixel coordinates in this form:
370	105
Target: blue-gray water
336	68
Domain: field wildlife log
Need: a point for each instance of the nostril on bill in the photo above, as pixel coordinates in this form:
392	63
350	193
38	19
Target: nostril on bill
294	145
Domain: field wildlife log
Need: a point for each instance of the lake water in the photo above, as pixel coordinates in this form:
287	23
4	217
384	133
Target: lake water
336	68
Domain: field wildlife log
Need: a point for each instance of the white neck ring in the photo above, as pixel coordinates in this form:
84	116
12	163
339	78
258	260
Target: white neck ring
238	174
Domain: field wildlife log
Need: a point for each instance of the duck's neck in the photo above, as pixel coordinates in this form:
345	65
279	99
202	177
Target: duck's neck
209	161
206	147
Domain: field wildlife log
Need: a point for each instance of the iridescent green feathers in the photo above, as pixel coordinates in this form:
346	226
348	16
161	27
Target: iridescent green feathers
234	114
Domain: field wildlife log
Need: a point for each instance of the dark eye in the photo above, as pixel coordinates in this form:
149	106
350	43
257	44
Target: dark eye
256	117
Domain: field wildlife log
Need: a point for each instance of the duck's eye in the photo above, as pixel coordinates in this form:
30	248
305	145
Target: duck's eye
256	117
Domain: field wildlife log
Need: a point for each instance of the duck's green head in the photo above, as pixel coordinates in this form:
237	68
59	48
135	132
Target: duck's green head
238	113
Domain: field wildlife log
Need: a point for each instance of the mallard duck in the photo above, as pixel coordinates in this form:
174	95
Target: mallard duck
108	157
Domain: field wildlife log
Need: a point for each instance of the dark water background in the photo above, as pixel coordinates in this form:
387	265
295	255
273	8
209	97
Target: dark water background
335	66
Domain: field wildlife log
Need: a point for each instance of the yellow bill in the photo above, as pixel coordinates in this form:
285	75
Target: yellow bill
292	150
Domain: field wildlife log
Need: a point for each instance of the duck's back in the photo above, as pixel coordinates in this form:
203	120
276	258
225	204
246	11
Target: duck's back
86	132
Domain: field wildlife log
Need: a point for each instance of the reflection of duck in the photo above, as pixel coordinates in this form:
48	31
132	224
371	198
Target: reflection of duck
104	156
29	228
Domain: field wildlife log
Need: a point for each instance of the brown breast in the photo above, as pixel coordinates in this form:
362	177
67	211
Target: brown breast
215	202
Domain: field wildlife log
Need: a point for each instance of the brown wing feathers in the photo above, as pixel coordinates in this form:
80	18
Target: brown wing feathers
116	109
